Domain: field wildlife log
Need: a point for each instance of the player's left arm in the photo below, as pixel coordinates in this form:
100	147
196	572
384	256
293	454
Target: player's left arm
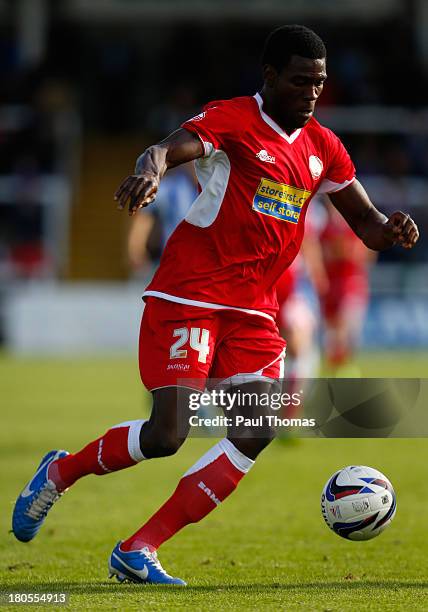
376	230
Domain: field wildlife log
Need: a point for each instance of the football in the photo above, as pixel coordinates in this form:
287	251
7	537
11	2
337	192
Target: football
358	503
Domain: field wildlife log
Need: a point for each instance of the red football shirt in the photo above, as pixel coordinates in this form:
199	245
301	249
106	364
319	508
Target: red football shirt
246	226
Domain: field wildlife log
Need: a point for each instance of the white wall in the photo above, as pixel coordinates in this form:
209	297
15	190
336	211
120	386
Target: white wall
61	319
73	318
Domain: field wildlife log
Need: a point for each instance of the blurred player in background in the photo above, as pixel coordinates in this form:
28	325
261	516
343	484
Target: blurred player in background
152	227
297	321
298	307
298	318
345	296
211	306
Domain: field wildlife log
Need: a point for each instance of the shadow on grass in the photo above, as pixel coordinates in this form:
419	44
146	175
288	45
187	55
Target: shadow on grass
82	588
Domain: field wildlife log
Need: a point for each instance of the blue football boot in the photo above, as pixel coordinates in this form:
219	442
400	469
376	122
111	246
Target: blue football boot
139	566
36	500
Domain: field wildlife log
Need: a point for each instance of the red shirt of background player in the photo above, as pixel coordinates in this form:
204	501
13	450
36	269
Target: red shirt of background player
246	226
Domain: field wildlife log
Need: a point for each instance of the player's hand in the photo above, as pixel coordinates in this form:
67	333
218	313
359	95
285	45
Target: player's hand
402	230
138	190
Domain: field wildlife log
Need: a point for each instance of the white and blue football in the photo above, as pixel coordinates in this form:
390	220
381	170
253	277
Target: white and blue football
358	503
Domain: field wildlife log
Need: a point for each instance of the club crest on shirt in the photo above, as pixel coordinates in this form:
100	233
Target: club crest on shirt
279	200
315	166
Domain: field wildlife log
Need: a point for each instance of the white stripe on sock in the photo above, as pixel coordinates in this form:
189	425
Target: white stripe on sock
206	459
133	438
134	448
236	458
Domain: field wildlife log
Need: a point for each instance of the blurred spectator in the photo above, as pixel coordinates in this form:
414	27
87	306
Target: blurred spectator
154	75
180	105
39	135
345	294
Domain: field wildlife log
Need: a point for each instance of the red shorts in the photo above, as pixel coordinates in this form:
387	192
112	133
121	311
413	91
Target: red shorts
183	345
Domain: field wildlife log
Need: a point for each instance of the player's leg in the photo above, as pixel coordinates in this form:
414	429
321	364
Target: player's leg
298	327
333	332
205	485
128	443
201	489
253	433
216	475
336	349
122	446
343	328
166	329
348	333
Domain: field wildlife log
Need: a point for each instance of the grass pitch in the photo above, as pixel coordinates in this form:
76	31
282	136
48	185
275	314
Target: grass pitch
266	547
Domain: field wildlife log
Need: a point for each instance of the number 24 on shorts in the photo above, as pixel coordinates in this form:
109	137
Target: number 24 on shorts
198	341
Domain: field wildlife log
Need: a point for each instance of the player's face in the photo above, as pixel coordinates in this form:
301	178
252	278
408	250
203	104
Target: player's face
295	90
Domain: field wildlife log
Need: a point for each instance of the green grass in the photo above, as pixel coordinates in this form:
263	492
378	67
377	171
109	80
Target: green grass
266	547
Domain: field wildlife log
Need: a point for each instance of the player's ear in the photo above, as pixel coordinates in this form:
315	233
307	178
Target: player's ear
270	75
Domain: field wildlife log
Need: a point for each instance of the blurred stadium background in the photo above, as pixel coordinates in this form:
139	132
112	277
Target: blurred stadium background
86	85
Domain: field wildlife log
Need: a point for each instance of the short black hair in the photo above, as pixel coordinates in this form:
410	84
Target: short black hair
290	40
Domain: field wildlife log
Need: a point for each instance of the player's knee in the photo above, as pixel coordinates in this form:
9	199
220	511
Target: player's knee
168	446
160	444
252	447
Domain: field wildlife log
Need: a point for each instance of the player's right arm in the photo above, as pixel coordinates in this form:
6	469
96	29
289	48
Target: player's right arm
140	189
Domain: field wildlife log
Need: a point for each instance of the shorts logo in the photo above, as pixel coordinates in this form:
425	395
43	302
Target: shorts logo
265	157
178	366
315	166
278	200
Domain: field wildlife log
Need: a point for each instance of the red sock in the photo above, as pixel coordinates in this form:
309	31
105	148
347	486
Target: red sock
117	449
200	490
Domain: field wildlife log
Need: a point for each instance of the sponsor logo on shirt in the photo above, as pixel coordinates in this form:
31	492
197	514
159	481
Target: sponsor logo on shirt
278	200
264	156
315	166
